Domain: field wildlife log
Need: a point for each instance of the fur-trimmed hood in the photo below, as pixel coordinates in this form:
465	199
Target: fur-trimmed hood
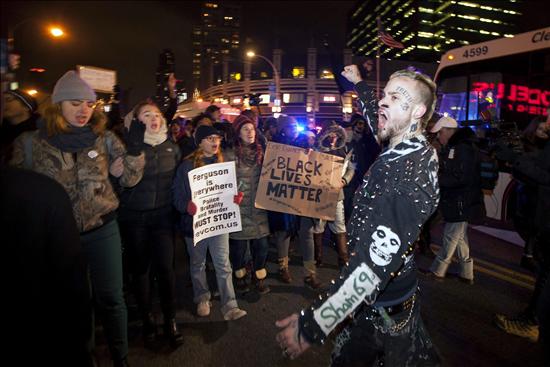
323	142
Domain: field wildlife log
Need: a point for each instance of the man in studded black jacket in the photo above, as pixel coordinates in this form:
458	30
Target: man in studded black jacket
374	303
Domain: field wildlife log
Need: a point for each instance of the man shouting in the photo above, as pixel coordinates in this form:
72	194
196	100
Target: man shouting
374	304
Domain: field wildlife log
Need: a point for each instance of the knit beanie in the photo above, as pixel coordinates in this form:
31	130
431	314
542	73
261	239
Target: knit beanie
25	98
240	121
205	131
71	87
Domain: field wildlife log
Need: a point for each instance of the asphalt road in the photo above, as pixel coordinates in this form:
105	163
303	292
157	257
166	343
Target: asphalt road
459	317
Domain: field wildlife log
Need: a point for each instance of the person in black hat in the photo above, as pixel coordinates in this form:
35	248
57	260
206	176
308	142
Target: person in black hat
19	116
208	141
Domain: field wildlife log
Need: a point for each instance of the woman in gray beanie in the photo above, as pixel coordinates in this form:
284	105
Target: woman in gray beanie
73	147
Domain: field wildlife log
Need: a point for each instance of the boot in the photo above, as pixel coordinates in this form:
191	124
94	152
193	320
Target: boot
259	281
284	274
342	249
310	279
318	242
241	286
149	329
175	338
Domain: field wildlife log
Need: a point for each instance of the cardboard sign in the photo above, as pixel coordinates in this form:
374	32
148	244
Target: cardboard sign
212	190
298	183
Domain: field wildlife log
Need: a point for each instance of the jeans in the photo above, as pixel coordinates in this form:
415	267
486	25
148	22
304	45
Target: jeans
104	253
218	246
148	237
258	250
305	236
336	226
455	238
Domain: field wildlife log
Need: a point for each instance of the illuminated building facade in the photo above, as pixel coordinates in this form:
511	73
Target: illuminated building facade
308	89
428	28
215	40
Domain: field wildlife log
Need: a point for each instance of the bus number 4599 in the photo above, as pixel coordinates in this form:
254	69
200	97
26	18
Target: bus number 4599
477	51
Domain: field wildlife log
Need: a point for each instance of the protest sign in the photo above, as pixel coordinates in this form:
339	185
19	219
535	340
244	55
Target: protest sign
295	182
212	190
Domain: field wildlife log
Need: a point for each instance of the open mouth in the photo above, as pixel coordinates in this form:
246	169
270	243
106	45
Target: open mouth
81	119
382	119
154	126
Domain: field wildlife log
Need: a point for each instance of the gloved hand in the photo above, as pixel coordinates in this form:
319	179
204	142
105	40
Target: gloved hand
237	199
134	137
191	208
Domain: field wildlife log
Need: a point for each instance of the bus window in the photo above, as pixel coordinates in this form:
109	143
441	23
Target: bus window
452	97
485	96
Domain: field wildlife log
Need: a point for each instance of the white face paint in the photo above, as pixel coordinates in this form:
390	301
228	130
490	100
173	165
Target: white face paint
385	244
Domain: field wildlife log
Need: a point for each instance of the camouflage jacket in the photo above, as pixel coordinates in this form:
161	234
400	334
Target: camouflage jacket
84	175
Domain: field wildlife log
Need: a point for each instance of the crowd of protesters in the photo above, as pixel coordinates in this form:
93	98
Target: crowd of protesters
127	187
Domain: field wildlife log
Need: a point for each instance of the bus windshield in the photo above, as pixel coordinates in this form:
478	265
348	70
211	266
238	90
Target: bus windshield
513	88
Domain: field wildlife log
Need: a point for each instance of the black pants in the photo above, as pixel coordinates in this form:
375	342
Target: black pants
148	238
367	342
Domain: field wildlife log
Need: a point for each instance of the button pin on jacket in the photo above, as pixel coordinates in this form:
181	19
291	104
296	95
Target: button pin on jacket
452	153
92	154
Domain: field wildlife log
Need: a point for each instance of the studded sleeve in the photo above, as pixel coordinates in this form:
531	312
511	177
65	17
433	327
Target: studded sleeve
385	222
369	104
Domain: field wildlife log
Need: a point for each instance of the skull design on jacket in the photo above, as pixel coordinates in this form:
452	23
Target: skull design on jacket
385	244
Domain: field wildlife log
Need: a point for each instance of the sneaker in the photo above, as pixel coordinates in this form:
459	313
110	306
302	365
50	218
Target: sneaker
312	282
519	326
234	314
284	274
203	308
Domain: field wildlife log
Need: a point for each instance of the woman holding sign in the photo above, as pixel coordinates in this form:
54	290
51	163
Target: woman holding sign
248	154
208	140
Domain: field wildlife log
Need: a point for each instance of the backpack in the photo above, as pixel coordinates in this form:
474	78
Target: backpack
488	170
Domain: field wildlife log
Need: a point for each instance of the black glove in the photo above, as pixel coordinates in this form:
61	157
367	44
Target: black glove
134	137
504	153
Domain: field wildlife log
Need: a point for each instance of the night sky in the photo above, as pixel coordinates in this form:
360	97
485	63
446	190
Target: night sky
129	35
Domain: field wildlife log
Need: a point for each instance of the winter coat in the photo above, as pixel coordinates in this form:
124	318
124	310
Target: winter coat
181	193
339	150
254	221
460	179
537	169
154	189
84	175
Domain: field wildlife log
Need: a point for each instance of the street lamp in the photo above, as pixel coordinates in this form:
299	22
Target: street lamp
56	32
252	54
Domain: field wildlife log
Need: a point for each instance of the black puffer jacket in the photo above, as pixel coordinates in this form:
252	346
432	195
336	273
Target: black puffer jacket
154	189
460	179
537	169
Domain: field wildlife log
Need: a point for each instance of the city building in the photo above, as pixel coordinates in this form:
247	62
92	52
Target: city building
427	28
215	40
307	89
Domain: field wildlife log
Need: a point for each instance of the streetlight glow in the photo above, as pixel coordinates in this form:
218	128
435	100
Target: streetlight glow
250	54
32	92
56	32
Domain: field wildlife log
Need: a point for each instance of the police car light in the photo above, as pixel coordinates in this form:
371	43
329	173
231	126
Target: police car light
299	128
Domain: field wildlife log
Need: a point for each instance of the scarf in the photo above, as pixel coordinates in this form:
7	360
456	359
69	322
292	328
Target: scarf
74	140
247	154
154	139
